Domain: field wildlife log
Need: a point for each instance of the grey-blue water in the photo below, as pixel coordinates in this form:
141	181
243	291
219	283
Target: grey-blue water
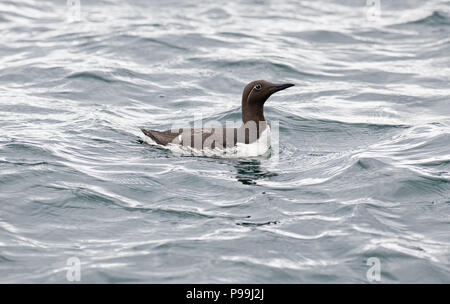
364	158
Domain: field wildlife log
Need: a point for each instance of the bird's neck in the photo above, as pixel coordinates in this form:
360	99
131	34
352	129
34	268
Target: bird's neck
253	116
252	113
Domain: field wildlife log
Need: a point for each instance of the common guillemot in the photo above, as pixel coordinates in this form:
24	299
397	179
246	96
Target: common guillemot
254	123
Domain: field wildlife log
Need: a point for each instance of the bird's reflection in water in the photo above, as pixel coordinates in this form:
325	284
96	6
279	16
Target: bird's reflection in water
249	171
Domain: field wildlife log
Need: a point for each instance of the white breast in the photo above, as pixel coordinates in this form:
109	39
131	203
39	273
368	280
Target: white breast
257	148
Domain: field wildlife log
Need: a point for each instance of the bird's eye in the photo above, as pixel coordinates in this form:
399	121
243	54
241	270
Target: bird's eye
258	87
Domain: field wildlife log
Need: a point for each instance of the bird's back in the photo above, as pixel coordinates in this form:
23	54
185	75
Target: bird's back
203	138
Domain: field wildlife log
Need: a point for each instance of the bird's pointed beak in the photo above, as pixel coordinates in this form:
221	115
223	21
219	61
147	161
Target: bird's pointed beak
280	87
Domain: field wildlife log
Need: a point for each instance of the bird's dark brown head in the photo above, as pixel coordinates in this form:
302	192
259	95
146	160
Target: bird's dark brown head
255	95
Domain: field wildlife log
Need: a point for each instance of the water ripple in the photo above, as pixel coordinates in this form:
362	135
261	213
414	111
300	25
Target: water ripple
363	163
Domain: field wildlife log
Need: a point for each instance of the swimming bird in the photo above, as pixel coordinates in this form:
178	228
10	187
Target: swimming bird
254	124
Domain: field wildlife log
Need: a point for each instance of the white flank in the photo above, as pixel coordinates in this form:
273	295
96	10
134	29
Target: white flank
257	148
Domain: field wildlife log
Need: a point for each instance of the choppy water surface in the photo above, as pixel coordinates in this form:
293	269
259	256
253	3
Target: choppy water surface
363	168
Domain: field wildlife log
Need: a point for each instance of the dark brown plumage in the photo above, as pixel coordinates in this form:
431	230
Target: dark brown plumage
254	96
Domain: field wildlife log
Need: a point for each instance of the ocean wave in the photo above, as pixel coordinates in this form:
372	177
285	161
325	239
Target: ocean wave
436	18
362	168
